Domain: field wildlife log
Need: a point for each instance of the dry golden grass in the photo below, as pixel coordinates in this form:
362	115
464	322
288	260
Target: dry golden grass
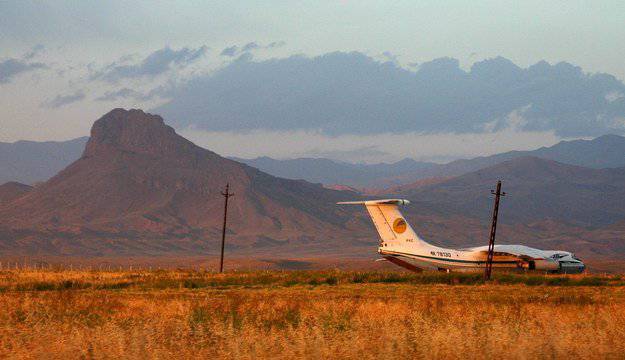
312	314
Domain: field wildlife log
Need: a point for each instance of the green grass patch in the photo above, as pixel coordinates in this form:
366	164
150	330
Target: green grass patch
180	279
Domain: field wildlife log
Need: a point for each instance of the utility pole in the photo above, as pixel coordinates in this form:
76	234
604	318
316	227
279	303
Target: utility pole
493	230
226	194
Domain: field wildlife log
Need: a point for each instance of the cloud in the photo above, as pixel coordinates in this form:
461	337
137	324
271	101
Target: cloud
229	51
275	44
515	120
158	62
617	123
612	96
12	67
62	100
249	46
124	93
233	50
36	50
162	91
386	147
245	57
390	56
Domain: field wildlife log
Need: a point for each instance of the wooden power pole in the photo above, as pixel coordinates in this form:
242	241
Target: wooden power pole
493	230
226	194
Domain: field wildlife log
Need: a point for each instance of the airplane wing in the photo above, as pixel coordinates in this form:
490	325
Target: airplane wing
515	250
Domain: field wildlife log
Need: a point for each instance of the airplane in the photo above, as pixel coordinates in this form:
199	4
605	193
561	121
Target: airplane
400	245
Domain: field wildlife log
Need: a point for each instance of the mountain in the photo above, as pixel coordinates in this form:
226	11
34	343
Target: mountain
406	187
351	93
141	188
12	190
537	190
30	161
332	172
606	151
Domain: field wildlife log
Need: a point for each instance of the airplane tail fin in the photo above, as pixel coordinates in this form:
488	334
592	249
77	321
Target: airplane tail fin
390	223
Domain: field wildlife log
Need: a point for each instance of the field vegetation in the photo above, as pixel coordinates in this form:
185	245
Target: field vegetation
312	314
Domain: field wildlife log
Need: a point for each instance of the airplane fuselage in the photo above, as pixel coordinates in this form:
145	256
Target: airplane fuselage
451	260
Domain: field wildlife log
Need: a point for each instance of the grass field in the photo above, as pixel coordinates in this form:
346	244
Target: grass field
312	314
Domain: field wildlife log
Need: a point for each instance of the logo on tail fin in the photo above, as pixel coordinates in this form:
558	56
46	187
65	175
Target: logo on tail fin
399	225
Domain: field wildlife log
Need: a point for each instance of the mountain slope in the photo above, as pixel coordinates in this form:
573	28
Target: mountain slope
607	151
30	161
12	190
537	190
140	187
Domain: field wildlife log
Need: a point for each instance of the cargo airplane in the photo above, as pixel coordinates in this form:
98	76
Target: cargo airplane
400	245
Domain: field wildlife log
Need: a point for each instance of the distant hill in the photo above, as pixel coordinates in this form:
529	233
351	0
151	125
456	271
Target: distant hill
12	190
606	151
538	190
30	161
332	172
140	188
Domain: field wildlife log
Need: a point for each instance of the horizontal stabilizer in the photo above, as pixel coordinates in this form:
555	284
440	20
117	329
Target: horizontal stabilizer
391	225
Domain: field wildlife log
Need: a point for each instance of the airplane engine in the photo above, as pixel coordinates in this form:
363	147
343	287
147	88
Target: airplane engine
541	265
546	265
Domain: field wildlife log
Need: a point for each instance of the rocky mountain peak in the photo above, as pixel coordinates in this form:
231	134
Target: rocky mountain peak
134	131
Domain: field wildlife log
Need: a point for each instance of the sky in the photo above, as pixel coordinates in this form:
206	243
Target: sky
63	64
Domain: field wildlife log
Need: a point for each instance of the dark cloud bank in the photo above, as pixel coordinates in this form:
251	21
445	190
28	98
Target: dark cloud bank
351	93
